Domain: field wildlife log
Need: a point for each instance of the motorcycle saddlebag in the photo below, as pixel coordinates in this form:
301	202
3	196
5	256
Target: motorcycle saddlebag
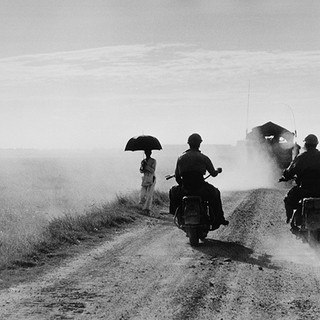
192	206
311	213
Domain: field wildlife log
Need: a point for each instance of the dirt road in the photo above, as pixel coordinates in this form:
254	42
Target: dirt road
252	269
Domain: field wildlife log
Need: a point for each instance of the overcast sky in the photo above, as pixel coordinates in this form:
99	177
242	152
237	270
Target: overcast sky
91	74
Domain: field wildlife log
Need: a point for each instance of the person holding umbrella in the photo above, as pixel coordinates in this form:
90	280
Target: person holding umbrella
147	168
146	143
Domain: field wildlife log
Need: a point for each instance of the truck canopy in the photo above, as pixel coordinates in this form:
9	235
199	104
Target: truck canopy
277	141
269	130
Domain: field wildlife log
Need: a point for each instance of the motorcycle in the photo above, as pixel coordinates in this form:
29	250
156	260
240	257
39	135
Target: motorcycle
305	221
192	215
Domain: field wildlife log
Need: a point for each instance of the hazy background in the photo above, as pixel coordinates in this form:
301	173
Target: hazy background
52	183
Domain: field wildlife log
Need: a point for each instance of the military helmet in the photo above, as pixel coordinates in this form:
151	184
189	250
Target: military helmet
194	139
311	139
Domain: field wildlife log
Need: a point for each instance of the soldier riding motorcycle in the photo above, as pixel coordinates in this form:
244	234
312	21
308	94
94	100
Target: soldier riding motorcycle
305	170
196	204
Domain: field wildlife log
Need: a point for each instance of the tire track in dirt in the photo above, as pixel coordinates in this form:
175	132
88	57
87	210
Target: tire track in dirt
260	286
226	249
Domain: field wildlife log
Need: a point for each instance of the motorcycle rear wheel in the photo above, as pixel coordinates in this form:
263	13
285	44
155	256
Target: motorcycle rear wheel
193	237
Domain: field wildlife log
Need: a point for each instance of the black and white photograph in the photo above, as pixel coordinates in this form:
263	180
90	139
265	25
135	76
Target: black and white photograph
159	159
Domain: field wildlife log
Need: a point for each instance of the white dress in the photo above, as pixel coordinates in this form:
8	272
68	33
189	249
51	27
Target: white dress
148	167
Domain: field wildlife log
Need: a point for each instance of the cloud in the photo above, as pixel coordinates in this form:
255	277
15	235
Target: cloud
146	65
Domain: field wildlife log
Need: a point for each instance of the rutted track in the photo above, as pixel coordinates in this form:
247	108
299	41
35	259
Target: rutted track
252	269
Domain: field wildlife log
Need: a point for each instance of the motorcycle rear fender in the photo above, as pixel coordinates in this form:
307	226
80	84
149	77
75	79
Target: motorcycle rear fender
192	209
311	213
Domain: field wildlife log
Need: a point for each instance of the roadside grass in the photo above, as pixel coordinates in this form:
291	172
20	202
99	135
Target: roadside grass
28	240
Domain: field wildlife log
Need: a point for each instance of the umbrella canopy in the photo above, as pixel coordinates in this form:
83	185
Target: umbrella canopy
143	143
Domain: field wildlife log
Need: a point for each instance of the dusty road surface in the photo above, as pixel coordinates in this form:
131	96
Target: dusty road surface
252	269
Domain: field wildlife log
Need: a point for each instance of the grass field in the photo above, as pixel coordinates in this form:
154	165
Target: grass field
37	188
29	238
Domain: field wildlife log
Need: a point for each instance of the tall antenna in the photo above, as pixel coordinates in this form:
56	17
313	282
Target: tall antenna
294	120
248	103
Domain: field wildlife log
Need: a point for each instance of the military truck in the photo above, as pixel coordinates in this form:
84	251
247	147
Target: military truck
276	141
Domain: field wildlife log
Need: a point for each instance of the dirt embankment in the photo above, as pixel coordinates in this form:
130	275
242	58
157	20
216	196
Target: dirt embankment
252	269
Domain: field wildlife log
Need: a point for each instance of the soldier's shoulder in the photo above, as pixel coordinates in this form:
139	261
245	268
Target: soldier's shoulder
204	156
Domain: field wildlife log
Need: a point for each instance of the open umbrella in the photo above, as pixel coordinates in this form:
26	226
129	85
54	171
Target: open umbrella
143	143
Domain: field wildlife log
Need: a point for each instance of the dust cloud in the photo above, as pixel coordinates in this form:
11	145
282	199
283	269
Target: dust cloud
290	249
242	168
245	169
56	182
